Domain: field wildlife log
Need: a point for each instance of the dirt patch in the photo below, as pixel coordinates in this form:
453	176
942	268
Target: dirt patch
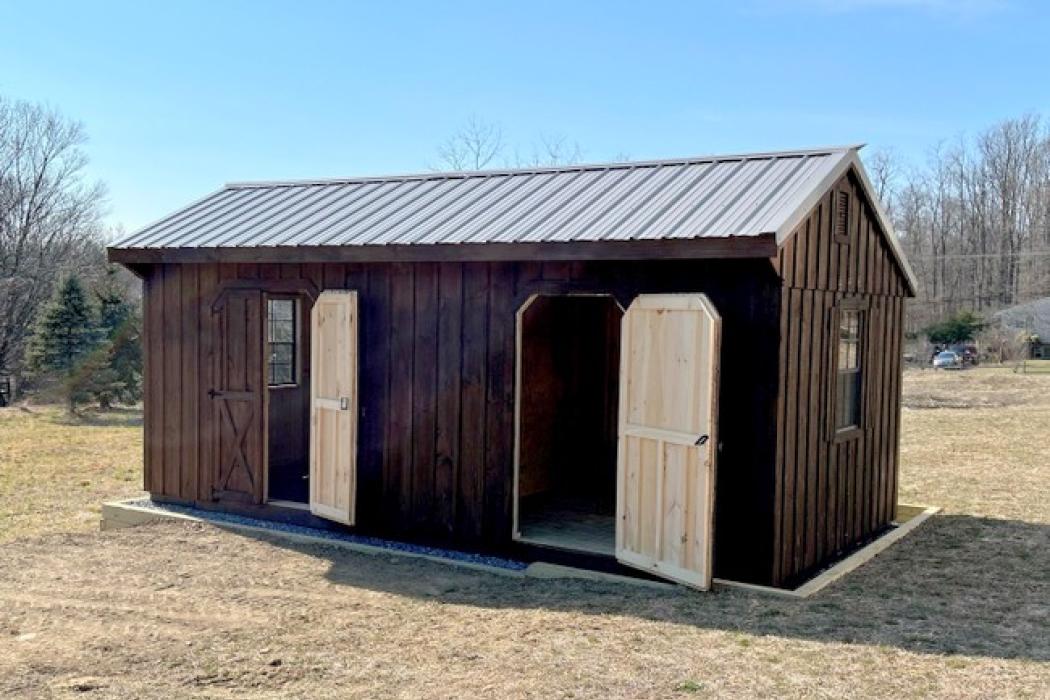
973	388
187	609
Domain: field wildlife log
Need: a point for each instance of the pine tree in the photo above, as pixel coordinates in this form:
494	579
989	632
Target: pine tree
65	337
121	326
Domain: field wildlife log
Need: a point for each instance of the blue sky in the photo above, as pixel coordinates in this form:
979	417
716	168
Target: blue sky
179	98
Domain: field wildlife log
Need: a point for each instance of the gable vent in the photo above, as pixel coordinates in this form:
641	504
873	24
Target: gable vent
842	216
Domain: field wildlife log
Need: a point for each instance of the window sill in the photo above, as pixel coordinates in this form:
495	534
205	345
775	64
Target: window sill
282	386
847	434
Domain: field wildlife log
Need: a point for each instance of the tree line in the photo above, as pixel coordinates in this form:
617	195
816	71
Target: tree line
68	320
974	220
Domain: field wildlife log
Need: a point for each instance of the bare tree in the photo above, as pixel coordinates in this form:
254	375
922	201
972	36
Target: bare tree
551	150
49	216
976	220
885	168
477	144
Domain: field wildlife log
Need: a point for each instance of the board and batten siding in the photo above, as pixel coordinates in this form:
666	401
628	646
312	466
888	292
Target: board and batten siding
437	345
833	494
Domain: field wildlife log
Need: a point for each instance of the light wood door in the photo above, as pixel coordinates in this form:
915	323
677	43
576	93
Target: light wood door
667	441
333	405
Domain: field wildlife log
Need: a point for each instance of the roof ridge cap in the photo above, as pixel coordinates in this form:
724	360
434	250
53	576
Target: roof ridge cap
511	172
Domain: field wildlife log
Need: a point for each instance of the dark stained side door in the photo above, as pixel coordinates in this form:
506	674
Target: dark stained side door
238	398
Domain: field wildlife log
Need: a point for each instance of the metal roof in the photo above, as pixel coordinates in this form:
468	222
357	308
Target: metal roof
690	198
719	196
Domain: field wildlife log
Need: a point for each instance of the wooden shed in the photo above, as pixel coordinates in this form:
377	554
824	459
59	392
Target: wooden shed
688	366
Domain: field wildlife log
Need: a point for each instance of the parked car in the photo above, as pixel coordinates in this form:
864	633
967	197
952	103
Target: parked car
947	360
967	352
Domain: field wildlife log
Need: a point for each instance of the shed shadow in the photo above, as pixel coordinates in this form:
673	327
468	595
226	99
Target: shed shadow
959	585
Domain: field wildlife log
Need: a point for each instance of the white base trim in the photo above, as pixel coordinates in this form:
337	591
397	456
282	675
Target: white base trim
120	514
853	561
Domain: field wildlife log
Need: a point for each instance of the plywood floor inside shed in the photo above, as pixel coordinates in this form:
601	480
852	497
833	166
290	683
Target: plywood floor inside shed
567	525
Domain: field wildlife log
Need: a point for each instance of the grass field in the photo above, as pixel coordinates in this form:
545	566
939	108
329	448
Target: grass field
961	608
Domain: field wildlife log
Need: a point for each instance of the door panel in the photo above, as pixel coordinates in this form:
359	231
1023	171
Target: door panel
333	406
666	452
238	398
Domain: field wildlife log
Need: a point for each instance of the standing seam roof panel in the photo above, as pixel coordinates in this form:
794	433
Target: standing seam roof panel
647	210
495	229
351	196
478	230
763	185
365	227
705	219
319	229
782	207
610	226
800	176
547	228
589	227
305	208
463	223
474	190
195	231
646	227
181	227
535	212
571	221
746	173
348	229
685	198
247	230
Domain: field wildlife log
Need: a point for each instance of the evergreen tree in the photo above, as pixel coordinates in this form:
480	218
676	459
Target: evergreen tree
960	328
66	335
121	326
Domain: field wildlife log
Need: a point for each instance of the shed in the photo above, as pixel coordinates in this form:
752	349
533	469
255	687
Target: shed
688	366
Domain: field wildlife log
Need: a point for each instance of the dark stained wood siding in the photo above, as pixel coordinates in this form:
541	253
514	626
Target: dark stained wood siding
832	494
437	384
437	387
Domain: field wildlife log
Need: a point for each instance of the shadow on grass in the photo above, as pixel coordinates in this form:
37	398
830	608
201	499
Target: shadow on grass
958	585
117	417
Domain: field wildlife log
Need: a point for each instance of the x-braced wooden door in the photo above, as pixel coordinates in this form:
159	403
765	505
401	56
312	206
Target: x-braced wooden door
238	397
667	442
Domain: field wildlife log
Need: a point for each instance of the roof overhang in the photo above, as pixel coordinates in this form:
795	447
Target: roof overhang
851	159
760	246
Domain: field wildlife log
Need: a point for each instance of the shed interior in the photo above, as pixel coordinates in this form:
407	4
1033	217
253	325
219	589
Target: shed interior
288	405
569	373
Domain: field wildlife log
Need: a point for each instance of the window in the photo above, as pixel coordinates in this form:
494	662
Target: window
281	336
842	216
848	386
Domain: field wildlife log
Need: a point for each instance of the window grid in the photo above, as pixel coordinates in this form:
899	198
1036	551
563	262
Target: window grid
281	339
848	387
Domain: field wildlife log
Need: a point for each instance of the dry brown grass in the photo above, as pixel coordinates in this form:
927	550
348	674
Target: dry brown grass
55	470
961	608
986	451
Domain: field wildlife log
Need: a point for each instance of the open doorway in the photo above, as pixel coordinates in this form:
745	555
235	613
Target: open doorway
568	376
288	387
